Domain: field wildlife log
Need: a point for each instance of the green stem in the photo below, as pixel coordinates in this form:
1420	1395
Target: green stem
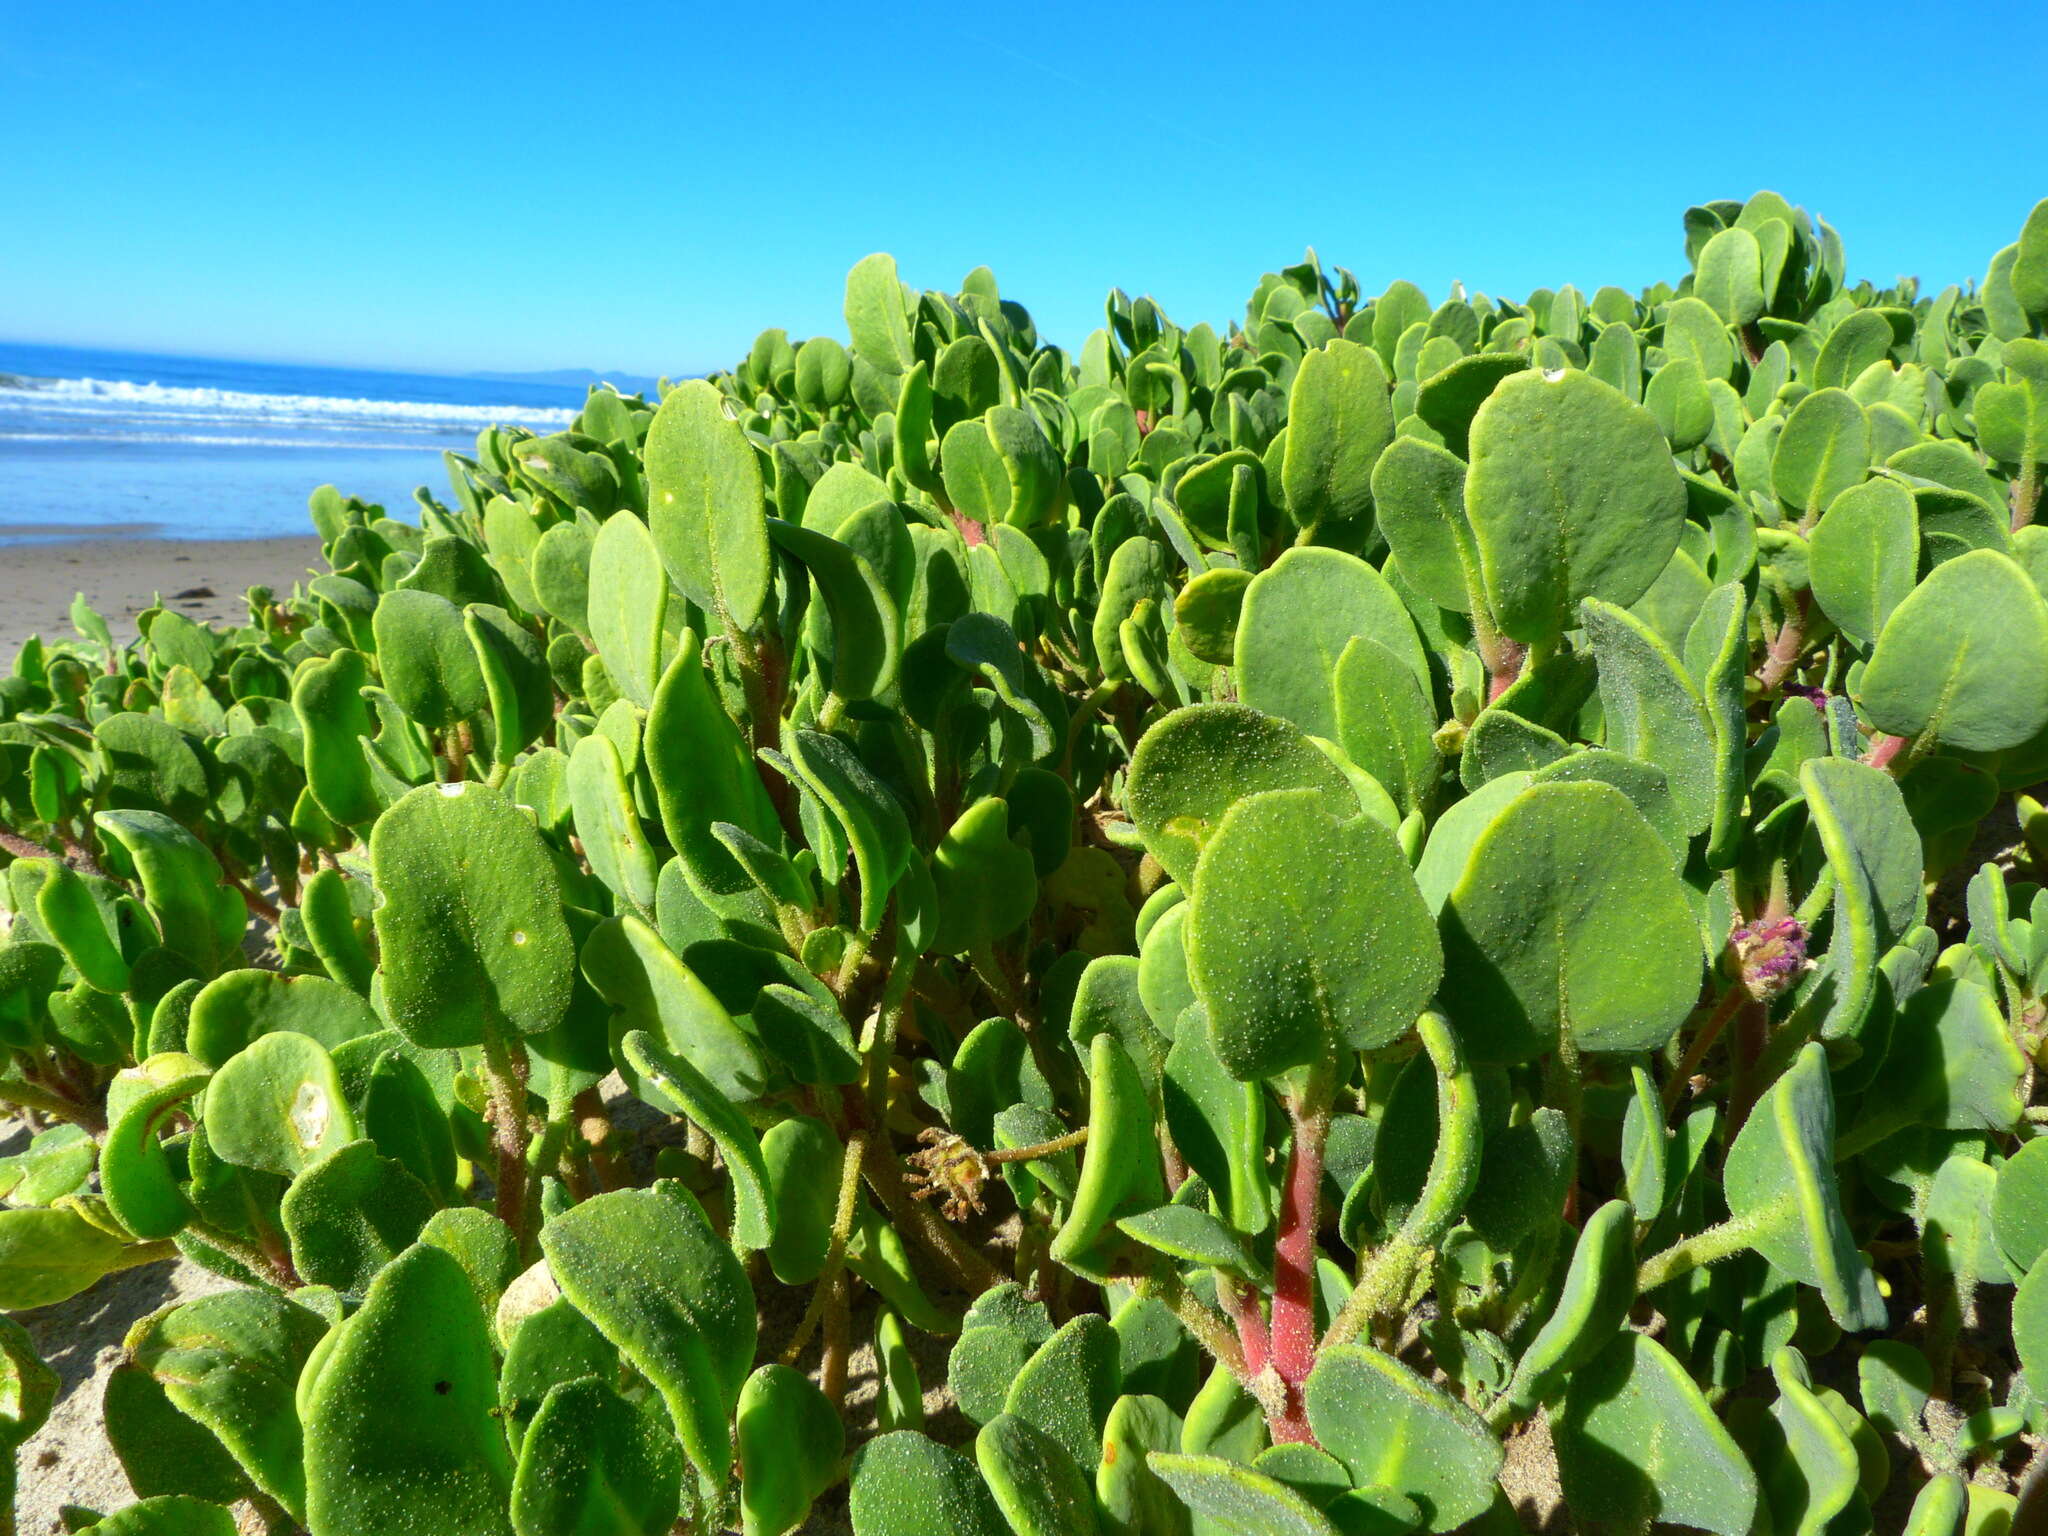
1387	1276
505	1080
1722	1241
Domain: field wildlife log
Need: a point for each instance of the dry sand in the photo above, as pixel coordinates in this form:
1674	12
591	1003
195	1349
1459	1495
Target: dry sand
122	573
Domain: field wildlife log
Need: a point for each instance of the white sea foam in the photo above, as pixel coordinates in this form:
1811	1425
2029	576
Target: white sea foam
100	396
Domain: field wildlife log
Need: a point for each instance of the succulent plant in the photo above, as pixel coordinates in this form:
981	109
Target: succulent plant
1232	932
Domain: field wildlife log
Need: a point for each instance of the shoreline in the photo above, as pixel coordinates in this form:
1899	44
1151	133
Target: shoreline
120	570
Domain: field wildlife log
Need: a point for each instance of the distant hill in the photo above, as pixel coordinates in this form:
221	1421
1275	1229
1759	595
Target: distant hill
576	378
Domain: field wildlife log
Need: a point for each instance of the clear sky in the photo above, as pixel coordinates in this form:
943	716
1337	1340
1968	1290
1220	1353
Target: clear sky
645	186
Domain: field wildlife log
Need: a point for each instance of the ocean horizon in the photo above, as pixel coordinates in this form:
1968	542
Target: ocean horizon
101	443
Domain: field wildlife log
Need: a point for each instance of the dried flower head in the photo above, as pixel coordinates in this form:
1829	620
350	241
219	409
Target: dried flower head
949	1170
1769	956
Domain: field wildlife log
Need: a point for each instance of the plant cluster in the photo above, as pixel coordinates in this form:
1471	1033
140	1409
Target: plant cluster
1288	915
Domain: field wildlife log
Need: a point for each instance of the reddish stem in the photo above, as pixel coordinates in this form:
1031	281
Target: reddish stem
1294	1259
1884	749
1243	1308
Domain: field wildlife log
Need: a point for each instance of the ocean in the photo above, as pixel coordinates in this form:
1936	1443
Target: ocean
126	444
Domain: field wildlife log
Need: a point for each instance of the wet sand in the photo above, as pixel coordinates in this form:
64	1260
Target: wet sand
122	573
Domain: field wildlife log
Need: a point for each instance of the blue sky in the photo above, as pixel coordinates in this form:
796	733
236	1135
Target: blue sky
645	186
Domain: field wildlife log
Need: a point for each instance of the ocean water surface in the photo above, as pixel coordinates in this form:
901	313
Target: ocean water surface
129	444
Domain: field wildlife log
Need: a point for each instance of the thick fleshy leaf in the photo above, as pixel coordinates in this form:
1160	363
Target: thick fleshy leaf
653	990
1864	556
706	507
1230	1496
426	659
1568	916
1338	422
1653	709
904	1484
400	1426
471	929
1036	1482
790	1441
1571	494
1637	1442
1394	1430
236	1009
1964	659
1780	1183
1194	765
1305	934
628	607
232	1363
277	1105
1299	614
646	1267
350	1214
1874	851
593	1464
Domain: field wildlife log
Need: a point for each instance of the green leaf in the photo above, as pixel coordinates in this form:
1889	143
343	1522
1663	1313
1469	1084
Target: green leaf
400	1426
1568	916
653	991
702	771
1418	491
1395	1430
199	916
231	1362
1729	276
628	609
802	1161
1964	659
278	1106
326	697
471	929
987	885
876	317
867	641
904	1485
48	1256
1036	1483
2019	1208
1386	722
426	659
1120	1170
350	1214
608	823
1653	709
1599	1288
1874	850
170	1514
790	1442
2030	266
1192	766
671	1077
1864	556
236	1009
1232	1497
1824	449
1636	1442
1571	494
646	1267
1338	422
706	508
593	1464
1299	615
1780	1183
135	1170
1305	934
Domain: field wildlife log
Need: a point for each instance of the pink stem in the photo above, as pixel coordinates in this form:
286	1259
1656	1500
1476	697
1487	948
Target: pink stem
1251	1325
1294	1264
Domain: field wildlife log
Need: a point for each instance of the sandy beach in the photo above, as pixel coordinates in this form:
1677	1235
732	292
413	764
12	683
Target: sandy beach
121	575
